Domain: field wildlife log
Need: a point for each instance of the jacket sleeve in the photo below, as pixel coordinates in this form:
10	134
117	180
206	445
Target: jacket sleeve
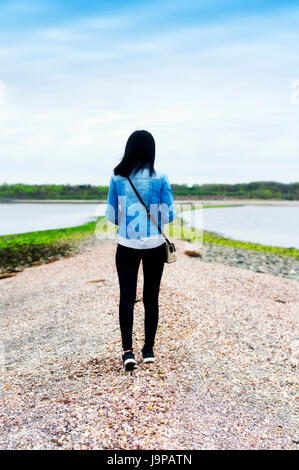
167	204
112	203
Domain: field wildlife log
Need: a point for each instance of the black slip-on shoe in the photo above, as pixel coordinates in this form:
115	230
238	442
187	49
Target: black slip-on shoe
129	362
148	355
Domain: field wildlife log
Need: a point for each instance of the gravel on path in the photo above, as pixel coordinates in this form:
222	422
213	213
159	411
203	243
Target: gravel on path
225	376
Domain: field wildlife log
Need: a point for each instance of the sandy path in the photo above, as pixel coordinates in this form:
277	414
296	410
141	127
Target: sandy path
62	385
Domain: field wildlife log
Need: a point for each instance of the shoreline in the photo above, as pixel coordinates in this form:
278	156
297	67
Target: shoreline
258	262
35	248
234	256
208	202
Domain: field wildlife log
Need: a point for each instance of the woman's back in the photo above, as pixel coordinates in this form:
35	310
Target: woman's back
124	208
138	238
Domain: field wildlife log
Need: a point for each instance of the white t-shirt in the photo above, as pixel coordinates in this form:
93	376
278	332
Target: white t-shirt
141	243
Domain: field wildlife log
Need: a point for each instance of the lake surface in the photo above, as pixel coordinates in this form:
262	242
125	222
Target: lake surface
268	225
21	218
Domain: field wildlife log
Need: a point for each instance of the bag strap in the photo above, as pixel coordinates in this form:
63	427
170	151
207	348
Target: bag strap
148	212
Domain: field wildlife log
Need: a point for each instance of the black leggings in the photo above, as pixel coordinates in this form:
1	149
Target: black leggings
127	264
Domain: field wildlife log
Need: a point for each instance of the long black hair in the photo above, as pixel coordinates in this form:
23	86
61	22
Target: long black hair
139	154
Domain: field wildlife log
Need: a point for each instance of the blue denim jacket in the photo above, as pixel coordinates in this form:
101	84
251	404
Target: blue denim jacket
125	210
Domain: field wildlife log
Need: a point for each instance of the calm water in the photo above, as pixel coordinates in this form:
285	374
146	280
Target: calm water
278	226
268	225
21	218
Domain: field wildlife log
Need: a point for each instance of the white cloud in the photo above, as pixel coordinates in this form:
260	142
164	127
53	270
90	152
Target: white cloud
216	97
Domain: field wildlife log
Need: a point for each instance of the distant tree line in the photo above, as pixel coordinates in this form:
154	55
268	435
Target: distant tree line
254	190
52	191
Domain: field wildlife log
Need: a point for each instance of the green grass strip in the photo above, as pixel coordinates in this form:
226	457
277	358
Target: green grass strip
46	237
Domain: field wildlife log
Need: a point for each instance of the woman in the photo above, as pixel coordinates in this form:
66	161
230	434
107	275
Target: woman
138	237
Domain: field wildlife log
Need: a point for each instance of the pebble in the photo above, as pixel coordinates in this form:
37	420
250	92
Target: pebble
233	330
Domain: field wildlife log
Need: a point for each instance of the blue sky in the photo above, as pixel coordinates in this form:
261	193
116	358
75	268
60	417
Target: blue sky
210	79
